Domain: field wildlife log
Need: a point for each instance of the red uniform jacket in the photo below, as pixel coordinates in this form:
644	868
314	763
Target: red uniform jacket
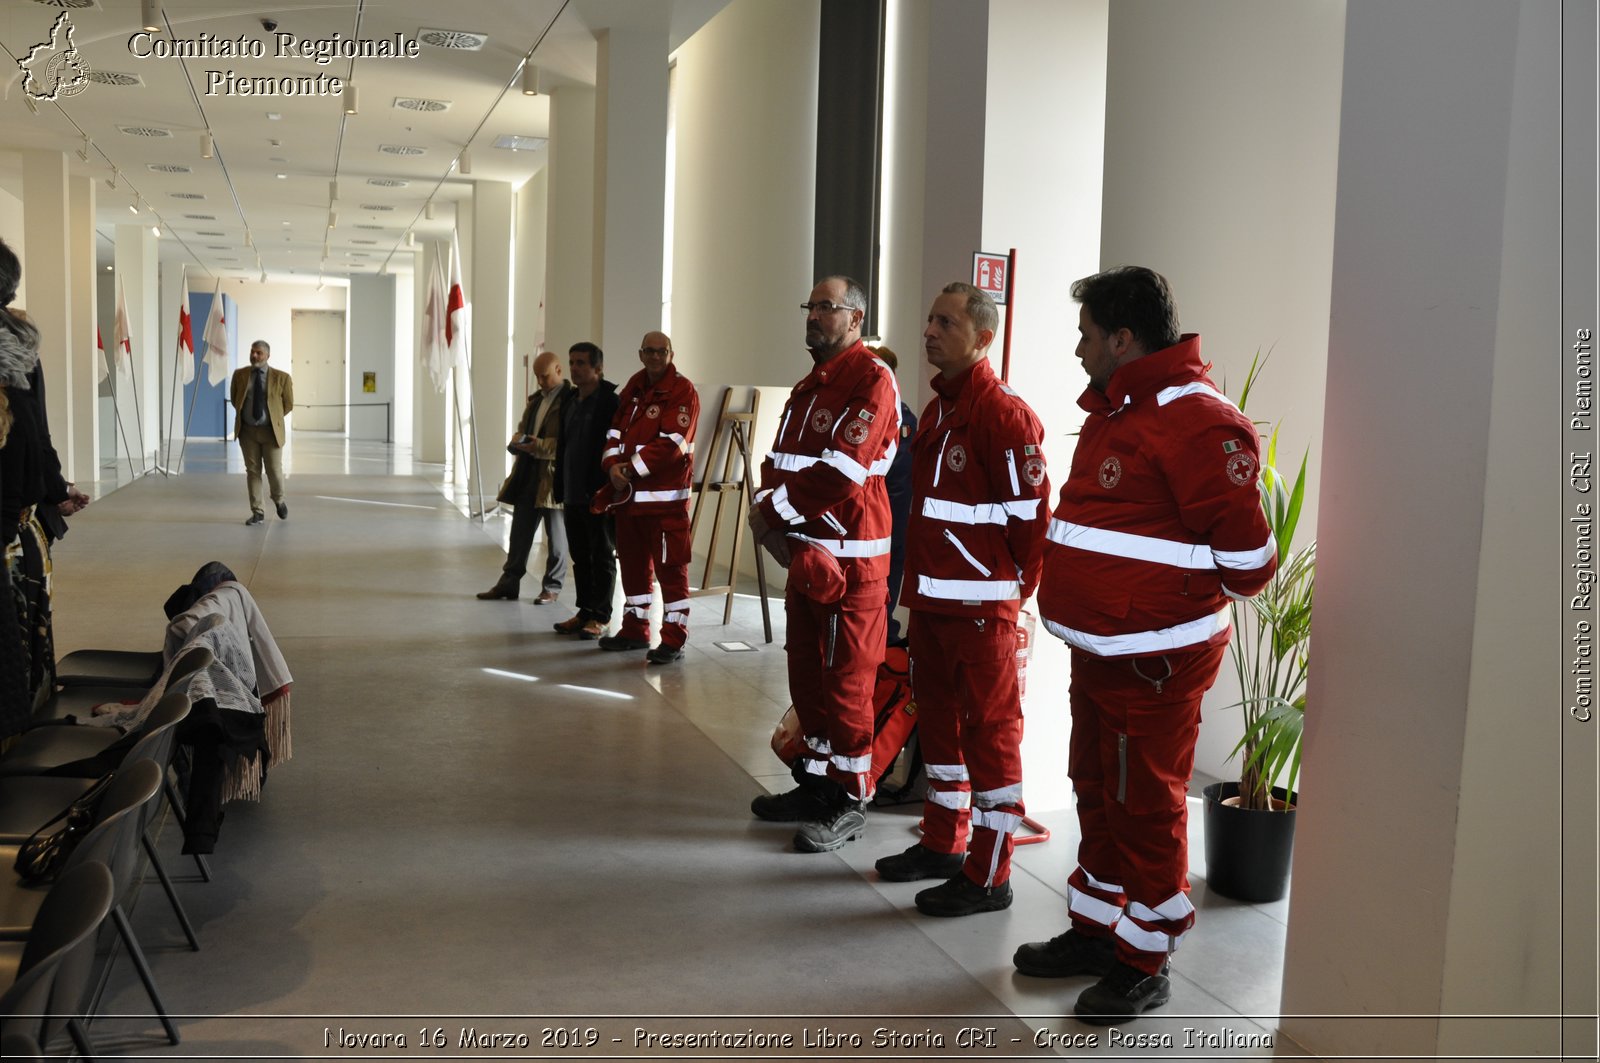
653	431
1161	516
823	480
980	500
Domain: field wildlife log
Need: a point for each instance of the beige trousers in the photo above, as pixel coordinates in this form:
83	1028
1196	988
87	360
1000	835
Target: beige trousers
260	448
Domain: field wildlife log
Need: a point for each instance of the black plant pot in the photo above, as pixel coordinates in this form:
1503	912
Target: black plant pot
1247	851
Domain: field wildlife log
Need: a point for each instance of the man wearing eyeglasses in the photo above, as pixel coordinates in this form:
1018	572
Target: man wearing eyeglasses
823	506
649	459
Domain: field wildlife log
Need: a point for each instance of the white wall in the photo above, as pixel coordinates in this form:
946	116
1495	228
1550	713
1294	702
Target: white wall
266	312
372	349
1221	145
743	217
11	230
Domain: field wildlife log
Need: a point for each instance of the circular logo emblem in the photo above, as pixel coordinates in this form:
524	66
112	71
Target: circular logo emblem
1110	472
1033	471
855	433
652	411
1241	469
956	458
822	421
683	418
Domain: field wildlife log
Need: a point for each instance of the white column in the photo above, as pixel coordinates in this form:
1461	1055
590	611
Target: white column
1228	191
571	307
630	182
492	229
82	425
137	270
1428	859
429	408
47	228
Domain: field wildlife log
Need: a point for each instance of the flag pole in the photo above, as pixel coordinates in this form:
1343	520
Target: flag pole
164	446
116	406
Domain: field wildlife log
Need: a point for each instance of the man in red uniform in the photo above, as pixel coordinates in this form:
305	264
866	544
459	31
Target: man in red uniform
974	549
649	458
1159	524
822	485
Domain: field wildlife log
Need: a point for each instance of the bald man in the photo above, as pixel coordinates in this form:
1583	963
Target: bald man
649	460
530	489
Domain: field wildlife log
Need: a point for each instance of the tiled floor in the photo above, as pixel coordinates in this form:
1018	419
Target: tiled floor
483	818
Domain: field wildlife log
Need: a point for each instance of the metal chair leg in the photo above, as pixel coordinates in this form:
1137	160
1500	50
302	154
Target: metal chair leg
125	929
80	1038
172	895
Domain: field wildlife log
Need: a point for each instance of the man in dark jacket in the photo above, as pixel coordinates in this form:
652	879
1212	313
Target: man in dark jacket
591	537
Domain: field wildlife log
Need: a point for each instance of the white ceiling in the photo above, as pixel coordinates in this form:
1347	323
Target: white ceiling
271	177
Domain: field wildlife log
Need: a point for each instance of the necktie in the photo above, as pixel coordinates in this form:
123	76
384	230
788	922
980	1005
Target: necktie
258	406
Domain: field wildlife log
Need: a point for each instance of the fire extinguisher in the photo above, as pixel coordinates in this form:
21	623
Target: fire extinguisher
1025	626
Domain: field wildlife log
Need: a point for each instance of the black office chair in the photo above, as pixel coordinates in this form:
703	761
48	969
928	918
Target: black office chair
47	977
112	841
27	802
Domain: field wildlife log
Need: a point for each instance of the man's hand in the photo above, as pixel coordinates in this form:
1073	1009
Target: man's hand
76	500
772	539
619	476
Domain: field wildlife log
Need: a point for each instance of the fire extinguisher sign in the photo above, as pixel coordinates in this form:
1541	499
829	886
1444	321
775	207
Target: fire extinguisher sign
989	274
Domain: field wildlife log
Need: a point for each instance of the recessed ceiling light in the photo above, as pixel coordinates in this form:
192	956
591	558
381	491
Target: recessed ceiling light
274	116
516	142
282	176
460	40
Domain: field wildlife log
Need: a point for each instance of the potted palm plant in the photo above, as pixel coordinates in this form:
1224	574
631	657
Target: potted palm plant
1249	824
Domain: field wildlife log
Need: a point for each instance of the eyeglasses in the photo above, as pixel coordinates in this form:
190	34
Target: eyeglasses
826	307
655	351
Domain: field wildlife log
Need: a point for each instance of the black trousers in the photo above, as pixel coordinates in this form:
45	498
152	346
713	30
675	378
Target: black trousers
525	521
592	545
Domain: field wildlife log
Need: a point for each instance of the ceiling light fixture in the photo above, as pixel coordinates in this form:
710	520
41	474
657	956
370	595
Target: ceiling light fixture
263	276
530	79
133	208
207	145
249	241
116	174
83	152
333	219
155	230
352	98
427	210
465	164
150	10
411	239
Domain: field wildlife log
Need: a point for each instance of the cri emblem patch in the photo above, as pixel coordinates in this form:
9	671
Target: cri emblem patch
652	411
822	421
956	458
1033	471
1241	469
855	433
1110	472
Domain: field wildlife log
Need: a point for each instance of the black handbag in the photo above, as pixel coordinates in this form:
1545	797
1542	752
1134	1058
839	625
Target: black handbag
44	855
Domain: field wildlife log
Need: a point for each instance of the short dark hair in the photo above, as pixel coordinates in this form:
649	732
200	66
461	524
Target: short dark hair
1135	298
10	273
597	357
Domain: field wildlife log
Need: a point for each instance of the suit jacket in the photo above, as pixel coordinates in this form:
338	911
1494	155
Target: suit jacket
280	399
532	478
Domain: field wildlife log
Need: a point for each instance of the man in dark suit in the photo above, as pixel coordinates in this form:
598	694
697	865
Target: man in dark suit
591	537
262	398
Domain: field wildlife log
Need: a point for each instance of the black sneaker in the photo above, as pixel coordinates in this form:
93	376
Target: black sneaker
622	642
283	511
962	896
919	862
255	518
1066	954
843	823
664	655
802	804
1122	996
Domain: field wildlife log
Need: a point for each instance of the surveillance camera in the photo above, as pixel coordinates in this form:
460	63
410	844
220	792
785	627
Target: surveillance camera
269	24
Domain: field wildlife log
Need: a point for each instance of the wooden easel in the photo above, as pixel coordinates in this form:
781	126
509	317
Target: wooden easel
736	429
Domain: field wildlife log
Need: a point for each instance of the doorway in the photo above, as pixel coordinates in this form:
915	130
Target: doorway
318	340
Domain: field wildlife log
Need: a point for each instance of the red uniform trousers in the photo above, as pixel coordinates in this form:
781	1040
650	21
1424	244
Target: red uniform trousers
969	724
654	543
1134	725
834	652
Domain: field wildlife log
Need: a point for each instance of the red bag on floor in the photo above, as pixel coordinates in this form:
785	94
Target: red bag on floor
896	760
